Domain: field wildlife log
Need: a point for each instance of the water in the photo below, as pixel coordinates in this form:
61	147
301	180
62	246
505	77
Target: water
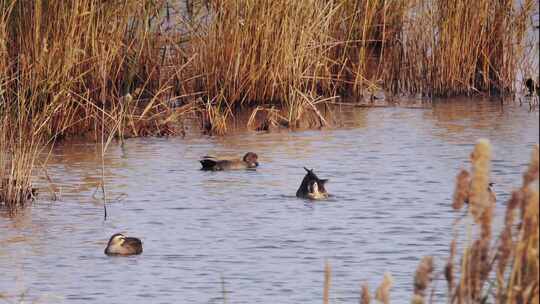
245	234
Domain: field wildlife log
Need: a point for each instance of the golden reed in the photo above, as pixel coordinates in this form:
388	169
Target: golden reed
284	58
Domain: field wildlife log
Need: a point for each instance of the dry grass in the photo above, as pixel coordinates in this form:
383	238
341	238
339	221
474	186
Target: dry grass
252	53
257	53
66	68
461	47
135	68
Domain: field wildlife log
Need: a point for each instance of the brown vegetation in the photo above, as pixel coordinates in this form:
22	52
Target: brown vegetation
66	68
135	68
507	272
502	271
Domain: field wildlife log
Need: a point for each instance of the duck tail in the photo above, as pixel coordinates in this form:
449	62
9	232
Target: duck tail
208	164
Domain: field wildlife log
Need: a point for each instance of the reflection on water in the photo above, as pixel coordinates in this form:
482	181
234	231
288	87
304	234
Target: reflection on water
391	174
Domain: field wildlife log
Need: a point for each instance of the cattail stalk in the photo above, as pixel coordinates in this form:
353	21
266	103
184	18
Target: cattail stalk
461	192
479	196
382	293
423	278
327	282
365	296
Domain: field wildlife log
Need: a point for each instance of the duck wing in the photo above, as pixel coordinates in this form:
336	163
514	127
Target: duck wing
133	245
209	163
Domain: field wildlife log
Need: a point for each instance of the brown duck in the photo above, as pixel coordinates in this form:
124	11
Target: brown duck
249	161
120	244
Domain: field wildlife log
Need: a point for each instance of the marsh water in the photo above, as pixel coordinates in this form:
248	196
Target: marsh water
243	235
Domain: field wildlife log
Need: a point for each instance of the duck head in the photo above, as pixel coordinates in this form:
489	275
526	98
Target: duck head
251	160
312	187
120	244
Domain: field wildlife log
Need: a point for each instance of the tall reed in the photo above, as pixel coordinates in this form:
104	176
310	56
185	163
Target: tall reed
289	53
128	68
461	47
65	67
264	53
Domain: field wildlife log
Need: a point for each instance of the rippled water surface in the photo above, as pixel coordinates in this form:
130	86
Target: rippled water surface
245	234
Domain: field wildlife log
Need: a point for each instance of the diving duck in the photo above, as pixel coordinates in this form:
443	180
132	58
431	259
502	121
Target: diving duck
120	244
312	187
529	83
532	87
249	161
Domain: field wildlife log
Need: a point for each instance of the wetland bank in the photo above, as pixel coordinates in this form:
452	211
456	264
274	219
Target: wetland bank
243	236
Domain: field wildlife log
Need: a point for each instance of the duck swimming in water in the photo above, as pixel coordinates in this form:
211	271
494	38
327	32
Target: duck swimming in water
533	87
312	187
249	161
120	244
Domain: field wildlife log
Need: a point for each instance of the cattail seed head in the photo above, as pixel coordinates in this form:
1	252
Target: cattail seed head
461	192
532	171
383	291
449	268
423	276
365	297
479	196
417	299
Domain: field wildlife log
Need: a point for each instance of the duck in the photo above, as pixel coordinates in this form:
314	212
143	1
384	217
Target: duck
249	161
120	244
529	83
312	187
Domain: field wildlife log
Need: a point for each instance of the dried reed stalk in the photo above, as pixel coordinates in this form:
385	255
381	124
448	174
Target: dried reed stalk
327	282
365	296
382	293
422	278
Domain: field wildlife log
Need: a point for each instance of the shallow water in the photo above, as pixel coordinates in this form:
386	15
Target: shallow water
245	234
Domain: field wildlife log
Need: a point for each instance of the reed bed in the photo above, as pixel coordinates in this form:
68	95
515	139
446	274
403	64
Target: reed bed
290	53
72	68
106	69
462	47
